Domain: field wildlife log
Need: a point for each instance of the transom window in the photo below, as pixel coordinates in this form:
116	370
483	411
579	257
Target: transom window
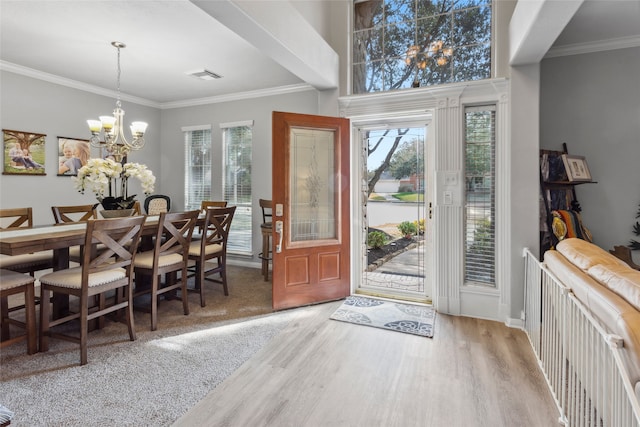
407	43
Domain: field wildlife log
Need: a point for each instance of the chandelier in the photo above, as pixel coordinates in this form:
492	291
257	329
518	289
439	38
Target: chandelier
436	52
110	127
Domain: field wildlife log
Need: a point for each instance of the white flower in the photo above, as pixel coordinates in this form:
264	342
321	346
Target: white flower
98	175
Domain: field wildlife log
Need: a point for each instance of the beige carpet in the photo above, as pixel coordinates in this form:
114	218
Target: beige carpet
153	380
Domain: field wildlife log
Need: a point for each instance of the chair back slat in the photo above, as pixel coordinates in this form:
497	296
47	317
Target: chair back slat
20	217
78	213
217	226
119	239
205	204
266	206
174	233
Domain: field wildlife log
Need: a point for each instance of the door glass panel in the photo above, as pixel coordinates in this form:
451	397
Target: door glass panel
394	212
312	163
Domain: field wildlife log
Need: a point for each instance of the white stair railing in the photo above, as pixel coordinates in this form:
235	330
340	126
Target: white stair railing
580	360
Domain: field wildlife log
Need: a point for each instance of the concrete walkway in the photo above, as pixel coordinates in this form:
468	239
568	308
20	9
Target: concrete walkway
400	272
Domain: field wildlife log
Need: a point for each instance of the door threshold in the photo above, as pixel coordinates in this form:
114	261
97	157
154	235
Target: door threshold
395	297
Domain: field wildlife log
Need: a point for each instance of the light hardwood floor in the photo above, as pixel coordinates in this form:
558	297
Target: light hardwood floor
321	372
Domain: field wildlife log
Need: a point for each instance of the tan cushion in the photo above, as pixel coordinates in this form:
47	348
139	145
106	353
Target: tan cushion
72	277
585	255
623	280
10	279
26	260
194	249
145	260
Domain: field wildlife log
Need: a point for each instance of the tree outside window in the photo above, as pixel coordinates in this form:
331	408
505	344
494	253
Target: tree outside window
403	43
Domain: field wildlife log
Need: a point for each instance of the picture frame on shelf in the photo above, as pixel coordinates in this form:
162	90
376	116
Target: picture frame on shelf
24	152
576	168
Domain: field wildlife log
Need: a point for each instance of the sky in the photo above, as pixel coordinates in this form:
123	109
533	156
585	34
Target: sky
378	156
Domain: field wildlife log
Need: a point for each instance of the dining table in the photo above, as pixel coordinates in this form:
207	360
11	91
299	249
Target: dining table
59	238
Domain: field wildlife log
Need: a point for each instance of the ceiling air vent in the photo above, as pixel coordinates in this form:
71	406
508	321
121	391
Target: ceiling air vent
204	74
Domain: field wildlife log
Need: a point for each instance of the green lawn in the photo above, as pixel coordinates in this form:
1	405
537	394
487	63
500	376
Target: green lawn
409	197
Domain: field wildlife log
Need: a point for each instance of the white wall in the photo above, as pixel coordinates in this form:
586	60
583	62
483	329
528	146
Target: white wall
37	106
592	102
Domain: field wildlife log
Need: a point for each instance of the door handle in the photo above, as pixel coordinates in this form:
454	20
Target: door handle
430	211
279	231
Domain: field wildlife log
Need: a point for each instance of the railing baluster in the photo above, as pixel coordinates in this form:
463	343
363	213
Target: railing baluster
580	360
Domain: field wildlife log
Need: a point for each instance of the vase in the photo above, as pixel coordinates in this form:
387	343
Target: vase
116	213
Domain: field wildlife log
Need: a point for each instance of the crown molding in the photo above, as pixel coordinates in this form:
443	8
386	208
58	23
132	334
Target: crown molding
237	96
52	78
591	47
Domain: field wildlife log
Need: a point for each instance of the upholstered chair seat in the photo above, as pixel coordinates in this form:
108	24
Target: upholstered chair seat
12	283
27	262
72	277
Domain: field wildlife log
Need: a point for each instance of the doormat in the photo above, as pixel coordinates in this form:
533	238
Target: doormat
411	319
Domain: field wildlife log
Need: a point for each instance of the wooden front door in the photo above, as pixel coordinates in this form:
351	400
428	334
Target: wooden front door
311	233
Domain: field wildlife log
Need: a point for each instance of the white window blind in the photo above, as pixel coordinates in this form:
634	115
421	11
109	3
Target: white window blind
237	141
197	168
480	124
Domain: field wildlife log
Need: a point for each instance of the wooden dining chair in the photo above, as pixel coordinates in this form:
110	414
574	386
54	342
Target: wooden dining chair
71	214
212	204
101	272
137	209
169	256
203	209
213	244
266	229
78	213
15	219
12	283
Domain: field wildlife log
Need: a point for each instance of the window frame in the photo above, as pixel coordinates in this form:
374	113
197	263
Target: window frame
485	233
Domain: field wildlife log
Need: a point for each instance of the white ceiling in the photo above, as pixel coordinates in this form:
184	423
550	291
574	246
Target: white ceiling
166	39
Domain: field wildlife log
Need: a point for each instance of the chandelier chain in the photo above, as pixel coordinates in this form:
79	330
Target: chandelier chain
118	103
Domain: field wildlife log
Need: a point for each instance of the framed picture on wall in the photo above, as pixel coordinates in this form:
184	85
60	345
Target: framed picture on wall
73	153
23	152
577	169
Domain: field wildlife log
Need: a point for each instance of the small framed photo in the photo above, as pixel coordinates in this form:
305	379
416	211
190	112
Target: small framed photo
73	153
577	169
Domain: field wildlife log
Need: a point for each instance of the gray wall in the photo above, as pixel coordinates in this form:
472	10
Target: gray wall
259	110
592	102
525	88
37	106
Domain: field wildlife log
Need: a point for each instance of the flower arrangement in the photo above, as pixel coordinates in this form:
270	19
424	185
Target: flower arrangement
101	176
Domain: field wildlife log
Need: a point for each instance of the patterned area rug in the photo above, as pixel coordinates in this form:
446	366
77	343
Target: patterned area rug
411	319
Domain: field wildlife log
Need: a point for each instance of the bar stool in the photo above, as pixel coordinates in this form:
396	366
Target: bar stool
266	229
12	283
